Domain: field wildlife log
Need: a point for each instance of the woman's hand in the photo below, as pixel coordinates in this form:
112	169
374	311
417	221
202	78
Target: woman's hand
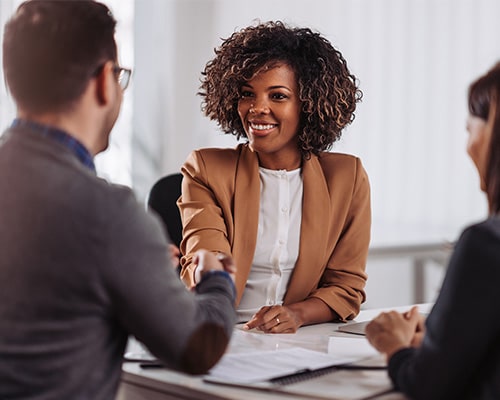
420	331
274	319
174	254
209	261
392	331
289	318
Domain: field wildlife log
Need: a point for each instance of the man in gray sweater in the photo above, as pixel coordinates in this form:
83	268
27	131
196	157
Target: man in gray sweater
82	265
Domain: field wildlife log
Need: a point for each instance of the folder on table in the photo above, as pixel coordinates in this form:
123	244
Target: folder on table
305	372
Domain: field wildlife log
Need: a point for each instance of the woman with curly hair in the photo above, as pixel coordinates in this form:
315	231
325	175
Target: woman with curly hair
295	217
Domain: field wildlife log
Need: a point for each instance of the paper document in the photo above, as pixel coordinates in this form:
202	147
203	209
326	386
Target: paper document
261	366
259	370
286	366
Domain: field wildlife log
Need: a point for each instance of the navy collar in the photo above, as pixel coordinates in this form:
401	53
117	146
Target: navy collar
75	146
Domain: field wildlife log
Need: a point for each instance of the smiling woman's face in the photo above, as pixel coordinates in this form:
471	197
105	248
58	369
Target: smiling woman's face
269	108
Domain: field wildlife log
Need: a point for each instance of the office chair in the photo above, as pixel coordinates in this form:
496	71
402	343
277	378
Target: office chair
162	199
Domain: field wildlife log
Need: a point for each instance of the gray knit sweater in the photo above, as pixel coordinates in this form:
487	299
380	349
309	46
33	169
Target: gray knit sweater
82	266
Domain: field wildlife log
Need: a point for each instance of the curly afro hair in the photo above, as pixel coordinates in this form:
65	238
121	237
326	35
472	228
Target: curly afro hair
327	90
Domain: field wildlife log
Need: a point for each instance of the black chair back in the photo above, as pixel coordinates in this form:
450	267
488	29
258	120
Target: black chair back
162	199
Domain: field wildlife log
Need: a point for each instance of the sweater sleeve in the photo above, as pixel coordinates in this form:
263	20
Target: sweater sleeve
187	330
203	215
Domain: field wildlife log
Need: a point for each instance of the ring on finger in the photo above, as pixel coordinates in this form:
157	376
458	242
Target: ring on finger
277	321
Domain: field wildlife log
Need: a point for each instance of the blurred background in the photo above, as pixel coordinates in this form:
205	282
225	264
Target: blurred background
414	60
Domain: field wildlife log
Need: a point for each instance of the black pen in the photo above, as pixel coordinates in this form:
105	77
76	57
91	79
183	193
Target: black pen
147	365
361	367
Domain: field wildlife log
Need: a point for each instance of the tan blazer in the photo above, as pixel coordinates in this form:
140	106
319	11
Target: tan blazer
220	210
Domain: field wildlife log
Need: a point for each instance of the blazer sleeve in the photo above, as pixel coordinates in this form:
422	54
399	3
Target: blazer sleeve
342	283
202	213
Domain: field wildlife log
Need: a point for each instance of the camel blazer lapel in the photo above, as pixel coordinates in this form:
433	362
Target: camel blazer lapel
246	216
316	209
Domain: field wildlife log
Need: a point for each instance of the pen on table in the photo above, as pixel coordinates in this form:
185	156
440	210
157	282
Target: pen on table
146	365
361	367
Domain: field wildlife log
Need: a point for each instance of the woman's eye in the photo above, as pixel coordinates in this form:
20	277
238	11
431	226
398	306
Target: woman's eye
245	94
278	96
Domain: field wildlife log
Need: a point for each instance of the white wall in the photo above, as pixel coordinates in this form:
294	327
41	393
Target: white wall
6	106
414	60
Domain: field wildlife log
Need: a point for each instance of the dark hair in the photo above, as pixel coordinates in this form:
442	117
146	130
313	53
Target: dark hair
327	90
52	48
484	96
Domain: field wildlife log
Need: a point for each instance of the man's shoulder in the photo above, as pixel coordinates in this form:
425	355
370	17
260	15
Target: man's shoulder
110	195
121	214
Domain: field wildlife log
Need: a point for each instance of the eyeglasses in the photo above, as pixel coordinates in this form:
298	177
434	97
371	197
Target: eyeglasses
123	75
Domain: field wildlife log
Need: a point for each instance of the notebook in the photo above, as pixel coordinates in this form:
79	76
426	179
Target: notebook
319	376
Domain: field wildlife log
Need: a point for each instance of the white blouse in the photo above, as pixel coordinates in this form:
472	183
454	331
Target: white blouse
278	238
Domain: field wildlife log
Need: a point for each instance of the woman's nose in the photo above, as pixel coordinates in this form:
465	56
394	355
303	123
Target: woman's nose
260	107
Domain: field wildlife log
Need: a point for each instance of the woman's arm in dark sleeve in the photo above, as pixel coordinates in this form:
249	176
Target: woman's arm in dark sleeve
461	328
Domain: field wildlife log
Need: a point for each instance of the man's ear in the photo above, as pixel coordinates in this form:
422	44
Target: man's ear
105	83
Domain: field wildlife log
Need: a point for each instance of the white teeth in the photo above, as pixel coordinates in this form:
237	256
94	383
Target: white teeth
261	127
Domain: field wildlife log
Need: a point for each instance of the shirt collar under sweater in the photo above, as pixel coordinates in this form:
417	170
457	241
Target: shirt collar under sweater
75	146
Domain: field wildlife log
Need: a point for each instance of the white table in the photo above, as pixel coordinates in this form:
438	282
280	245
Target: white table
160	384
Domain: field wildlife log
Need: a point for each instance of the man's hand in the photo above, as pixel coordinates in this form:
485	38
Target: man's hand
209	261
174	254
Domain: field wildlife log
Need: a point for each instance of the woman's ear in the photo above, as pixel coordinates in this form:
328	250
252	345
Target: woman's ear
106	83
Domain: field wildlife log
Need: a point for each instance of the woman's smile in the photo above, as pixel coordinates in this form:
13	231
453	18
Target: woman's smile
260	128
270	110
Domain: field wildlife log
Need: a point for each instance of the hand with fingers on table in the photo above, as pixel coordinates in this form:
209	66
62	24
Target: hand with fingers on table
274	319
289	318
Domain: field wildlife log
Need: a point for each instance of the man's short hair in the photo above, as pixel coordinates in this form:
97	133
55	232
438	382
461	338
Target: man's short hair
52	48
